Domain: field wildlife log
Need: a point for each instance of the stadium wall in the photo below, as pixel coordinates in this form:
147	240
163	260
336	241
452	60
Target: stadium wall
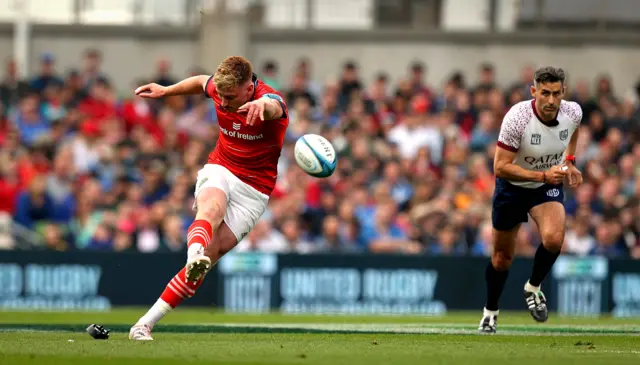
130	52
444	54
349	284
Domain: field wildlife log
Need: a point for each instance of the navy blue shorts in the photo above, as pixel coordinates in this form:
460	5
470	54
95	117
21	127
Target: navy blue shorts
511	203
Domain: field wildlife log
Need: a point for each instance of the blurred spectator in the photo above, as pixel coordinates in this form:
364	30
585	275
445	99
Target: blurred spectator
174	238
60	185
578	240
6	233
87	170
54	238
314	87
270	75
163	73
487	78
147	235
193	123
92	68
485	132
47	75
583	97
74	84
299	90
100	102
265	239
384	234
483	244
349	82
524	246
30	123
85	147
35	205
335	238
9	183
414	132
418	80
294	236
101	239
12	89
608	240
449	243
525	82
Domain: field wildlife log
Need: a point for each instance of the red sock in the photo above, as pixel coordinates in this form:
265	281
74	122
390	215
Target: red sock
178	290
200	232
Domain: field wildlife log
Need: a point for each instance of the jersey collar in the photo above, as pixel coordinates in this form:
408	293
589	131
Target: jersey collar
552	123
254	79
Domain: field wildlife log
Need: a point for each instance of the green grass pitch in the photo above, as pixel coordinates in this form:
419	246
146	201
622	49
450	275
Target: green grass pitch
211	337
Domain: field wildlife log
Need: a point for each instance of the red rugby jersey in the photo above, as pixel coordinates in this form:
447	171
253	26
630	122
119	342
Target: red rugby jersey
251	153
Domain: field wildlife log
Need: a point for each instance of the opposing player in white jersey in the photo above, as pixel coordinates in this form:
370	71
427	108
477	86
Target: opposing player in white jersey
535	156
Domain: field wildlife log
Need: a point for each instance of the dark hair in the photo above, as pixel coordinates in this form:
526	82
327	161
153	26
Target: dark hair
384	78
487	67
270	66
350	65
458	79
93	53
549	74
417	66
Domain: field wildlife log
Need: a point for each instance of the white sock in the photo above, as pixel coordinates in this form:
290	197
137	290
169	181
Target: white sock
157	311
530	288
487	313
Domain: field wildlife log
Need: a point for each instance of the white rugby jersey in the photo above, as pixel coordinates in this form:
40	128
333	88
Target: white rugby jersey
538	146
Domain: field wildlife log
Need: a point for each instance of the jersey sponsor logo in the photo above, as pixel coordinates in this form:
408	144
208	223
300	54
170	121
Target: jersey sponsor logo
536	138
564	134
236	126
553	193
544	162
245	136
201	182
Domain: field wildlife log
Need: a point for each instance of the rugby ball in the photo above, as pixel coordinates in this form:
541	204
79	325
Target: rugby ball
315	155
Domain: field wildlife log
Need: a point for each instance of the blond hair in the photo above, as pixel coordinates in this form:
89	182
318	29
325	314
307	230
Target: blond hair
232	72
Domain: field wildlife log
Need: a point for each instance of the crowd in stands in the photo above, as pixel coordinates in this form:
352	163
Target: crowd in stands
82	168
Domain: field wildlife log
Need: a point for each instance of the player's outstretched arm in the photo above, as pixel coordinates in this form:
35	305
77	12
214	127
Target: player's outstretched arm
267	107
190	86
273	108
504	168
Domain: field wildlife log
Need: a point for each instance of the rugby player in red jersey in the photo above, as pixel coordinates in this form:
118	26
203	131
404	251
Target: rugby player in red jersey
233	188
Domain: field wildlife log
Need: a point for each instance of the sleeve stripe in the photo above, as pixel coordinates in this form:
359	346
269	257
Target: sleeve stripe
277	98
273	96
284	110
505	146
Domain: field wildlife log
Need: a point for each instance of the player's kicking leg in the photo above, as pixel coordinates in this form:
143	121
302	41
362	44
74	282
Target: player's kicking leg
202	253
496	273
550	218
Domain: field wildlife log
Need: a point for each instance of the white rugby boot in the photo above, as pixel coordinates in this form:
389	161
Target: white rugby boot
140	332
197	263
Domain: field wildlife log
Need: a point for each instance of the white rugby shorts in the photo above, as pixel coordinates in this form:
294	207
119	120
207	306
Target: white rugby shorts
245	204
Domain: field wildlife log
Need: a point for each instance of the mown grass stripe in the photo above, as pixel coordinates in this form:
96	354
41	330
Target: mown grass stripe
329	329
